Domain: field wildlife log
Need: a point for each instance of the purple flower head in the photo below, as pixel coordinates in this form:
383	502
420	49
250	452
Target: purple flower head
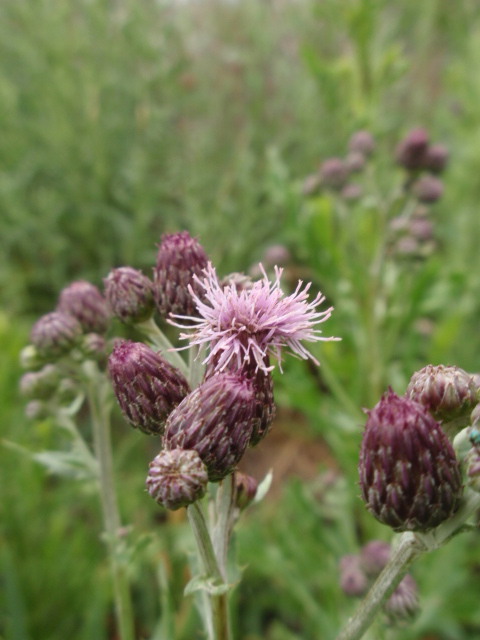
129	294
55	334
246	326
84	301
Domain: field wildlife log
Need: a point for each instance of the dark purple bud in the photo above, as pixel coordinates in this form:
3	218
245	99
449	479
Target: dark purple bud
84	301
436	158
409	475
362	142
245	489
428	189
412	150
353	581
448	392
179	258
333	173
147	387
55	334
129	294
40	385
374	557
177	478
403	603
355	162
216	420
262	384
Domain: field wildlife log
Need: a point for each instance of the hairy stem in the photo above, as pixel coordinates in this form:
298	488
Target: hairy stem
408	548
100	405
216	596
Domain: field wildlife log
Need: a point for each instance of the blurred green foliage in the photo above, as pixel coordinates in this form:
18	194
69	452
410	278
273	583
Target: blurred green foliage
122	120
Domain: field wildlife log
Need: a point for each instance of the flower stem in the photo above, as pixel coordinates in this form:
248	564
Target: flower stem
409	547
156	336
100	405
219	624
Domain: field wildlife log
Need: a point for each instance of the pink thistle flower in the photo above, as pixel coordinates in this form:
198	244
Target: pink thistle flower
246	326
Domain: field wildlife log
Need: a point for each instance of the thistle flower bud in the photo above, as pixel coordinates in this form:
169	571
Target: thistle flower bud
177	478
409	475
412	150
436	158
403	603
55	334
362	142
428	189
245	489
353	581
276	254
179	258
147	387
84	301
449	393
94	347
40	385
333	173
216	420
355	162
374	557
351	192
37	410
129	294
262	384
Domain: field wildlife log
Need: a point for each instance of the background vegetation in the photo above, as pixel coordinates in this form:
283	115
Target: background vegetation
122	120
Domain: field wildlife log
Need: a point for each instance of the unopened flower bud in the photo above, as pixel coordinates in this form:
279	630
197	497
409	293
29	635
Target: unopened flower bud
355	162
362	142
84	301
412	150
409	475
30	359
403	603
177	478
448	392
147	387
55	334
129	294
276	254
179	258
333	173
436	158
216	420
353	581
421	228
37	410
428	189
94	347
351	192
245	489
40	385
374	557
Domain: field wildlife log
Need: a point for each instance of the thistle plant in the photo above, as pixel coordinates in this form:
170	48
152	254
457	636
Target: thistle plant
206	412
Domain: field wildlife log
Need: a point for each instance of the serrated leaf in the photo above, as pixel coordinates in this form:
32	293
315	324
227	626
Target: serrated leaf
206	583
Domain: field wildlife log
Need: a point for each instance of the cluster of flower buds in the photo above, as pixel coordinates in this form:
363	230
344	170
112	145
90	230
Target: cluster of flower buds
335	173
359	571
73	332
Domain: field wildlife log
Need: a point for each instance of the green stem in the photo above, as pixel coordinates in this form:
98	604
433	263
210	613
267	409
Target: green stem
408	548
216	600
156	336
100	405
223	525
